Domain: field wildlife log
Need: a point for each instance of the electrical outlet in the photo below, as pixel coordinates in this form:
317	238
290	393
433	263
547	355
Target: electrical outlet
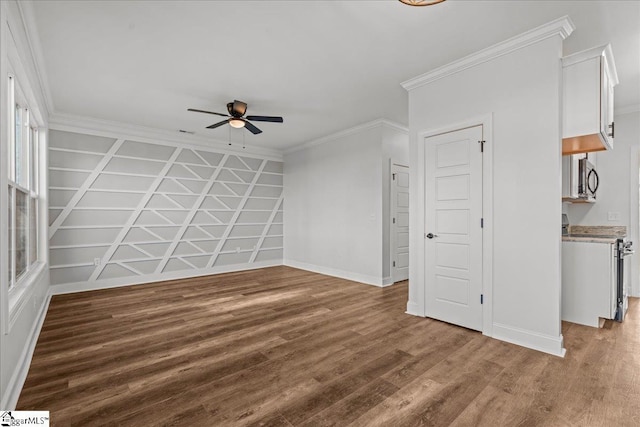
96	261
613	216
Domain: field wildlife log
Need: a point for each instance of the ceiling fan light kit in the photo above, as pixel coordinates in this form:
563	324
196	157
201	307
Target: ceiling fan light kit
421	2
236	123
235	118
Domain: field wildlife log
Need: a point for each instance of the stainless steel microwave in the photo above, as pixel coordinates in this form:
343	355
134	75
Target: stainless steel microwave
588	180
580	180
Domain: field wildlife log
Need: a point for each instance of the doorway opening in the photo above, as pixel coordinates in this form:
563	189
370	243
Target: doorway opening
399	222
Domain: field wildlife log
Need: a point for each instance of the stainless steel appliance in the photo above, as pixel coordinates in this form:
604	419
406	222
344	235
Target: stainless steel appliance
580	180
623	251
588	180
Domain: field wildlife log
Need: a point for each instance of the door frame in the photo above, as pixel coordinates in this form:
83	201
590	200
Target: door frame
392	210
634	216
419	214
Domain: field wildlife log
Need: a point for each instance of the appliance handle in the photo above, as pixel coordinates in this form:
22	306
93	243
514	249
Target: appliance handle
593	190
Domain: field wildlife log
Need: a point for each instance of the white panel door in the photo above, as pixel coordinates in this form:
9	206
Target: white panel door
399	222
453	240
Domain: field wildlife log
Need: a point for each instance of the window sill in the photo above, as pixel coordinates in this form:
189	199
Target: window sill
22	292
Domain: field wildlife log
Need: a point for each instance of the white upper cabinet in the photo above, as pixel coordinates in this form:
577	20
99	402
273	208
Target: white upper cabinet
588	81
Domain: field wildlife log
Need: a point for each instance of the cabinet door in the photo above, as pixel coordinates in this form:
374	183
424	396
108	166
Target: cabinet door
588	80
611	128
582	94
587	282
606	103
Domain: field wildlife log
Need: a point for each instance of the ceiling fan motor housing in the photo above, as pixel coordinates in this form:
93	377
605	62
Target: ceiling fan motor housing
237	108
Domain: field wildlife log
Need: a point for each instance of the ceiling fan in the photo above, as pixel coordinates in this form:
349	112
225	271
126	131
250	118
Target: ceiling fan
235	118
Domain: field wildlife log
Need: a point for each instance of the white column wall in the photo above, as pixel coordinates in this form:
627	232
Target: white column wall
522	92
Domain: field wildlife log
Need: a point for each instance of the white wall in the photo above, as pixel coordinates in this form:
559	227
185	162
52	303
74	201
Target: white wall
334	203
20	324
522	92
618	192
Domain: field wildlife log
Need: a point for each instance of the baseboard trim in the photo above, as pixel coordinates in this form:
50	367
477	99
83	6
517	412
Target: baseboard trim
69	288
530	339
334	272
387	281
14	387
413	309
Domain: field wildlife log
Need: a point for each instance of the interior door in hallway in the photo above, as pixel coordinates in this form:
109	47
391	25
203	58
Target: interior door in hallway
453	227
399	222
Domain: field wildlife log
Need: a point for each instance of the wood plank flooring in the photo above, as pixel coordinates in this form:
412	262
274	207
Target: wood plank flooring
283	347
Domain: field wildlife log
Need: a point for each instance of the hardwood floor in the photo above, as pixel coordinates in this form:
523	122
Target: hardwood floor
282	347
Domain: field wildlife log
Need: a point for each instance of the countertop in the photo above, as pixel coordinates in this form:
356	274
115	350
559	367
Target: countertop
595	233
589	239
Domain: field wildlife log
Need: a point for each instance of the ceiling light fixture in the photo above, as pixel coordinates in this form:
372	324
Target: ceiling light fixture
421	2
236	123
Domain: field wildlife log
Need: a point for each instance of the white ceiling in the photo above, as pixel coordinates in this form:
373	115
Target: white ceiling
323	65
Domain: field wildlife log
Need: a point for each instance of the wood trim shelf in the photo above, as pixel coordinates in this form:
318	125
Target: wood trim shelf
582	144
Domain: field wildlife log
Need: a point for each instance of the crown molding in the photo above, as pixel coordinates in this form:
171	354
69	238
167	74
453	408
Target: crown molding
604	50
93	126
562	27
628	109
27	16
347	132
395	126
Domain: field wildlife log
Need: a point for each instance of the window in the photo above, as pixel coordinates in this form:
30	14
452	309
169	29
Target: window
23	188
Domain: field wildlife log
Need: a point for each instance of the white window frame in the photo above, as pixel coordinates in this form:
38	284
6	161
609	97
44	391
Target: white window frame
19	289
17	101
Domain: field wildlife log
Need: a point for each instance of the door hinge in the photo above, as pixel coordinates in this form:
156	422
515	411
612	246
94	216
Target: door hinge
481	222
481	145
394	220
394	176
394	263
481	298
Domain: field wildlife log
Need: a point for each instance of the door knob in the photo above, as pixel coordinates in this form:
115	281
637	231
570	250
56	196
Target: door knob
431	236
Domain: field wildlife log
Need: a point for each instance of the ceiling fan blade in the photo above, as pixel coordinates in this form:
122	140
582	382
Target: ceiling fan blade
224	122
207	112
272	119
254	130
